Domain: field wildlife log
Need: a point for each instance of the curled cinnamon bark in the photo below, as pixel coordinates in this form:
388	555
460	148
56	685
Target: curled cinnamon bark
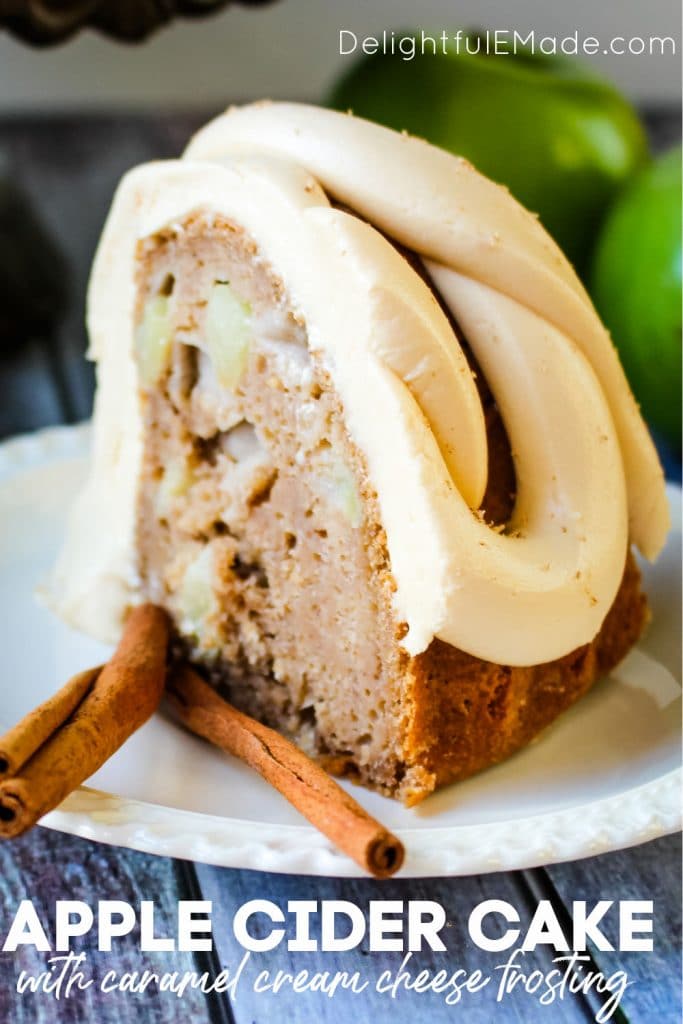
84	734
28	735
301	781
67	738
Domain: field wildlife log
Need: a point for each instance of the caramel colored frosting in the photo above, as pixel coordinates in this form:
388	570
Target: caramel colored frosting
588	477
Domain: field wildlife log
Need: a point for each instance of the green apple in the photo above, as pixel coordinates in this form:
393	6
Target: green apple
636	285
564	142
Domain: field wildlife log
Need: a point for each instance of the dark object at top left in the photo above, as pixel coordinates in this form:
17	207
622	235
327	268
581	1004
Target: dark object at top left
43	22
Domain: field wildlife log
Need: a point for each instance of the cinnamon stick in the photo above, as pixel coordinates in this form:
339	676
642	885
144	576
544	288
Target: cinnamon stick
300	780
21	743
122	697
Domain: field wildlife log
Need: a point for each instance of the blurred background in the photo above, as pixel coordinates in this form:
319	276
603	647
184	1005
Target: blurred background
289	49
590	143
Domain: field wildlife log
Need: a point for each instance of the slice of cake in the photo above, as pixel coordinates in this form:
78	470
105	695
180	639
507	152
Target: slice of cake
360	431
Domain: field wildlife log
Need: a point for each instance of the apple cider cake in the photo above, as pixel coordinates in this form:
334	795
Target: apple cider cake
359	430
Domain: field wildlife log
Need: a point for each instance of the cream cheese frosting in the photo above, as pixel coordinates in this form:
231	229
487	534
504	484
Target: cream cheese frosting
588	477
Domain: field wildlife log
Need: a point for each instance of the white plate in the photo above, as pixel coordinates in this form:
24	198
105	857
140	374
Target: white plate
606	775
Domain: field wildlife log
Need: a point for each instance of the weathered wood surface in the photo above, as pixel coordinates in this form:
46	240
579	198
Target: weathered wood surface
649	872
46	866
229	889
69	166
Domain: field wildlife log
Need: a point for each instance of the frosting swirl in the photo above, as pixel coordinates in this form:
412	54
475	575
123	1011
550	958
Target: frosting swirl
587	472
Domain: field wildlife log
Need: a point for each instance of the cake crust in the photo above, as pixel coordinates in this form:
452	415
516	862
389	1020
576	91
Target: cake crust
470	714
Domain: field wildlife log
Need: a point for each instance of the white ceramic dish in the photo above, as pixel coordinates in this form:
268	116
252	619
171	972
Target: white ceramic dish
605	776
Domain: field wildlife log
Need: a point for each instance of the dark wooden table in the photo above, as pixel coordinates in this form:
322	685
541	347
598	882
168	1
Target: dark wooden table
69	167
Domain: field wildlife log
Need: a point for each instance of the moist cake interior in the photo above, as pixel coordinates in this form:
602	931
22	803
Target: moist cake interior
257	527
258	531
